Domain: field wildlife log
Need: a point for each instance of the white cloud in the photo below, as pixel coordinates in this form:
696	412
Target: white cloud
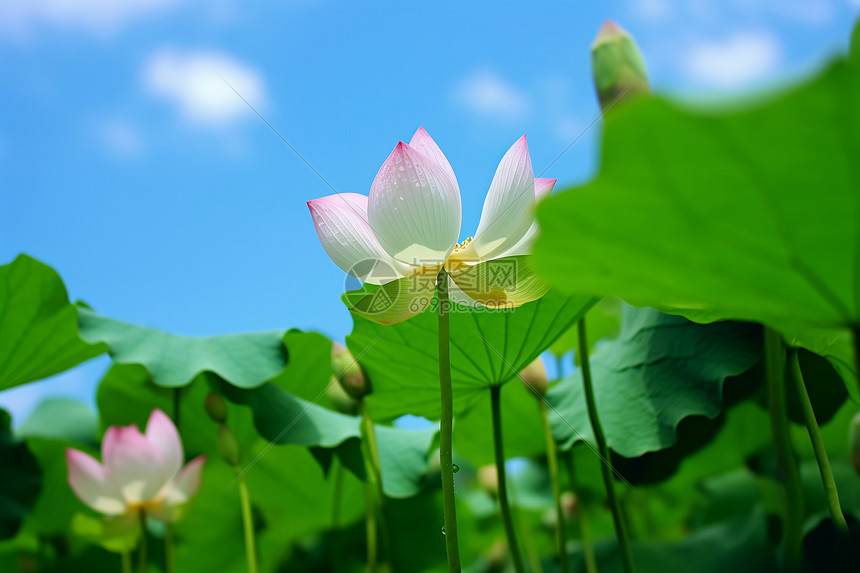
20	16
195	83
486	94
652	9
122	138
739	59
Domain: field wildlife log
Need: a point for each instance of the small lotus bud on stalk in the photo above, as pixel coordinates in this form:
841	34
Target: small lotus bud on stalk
617	66
342	402
215	407
488	477
348	372
854	442
228	445
534	377
569	504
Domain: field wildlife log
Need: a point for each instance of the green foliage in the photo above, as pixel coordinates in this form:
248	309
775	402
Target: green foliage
710	214
488	348
661	369
38	326
244	360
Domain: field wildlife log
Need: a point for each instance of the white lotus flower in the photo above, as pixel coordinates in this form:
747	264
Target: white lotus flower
139	471
409	224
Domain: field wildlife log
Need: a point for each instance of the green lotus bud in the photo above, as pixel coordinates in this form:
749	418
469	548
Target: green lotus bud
854	442
617	66
228	445
348	372
342	402
216	409
534	377
569	504
488	477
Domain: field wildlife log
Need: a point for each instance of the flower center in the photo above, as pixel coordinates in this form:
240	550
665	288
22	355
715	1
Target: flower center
462	246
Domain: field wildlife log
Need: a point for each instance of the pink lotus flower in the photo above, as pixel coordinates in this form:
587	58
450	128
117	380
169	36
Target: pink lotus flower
409	224
140	472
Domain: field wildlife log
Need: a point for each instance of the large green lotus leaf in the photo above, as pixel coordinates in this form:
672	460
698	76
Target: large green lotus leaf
661	369
38	326
739	544
20	479
522	426
244	360
283	418
488	347
127	395
750	214
404	457
61	419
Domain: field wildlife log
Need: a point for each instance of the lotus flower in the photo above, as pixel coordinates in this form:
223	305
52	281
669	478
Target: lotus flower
409	225
140	472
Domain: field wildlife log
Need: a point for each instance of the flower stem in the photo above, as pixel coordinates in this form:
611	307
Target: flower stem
827	480
495	395
581	516
142	565
338	494
789	474
169	541
552	462
126	562
446	427
376	474
247	522
370	527
603	450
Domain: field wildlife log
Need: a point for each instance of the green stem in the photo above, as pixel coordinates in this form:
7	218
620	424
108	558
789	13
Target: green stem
169	544
142	565
446	428
376	473
247	523
818	447
126	562
495	395
603	450
789	474
552	462
581	517
856	336
338	494
370	527
559	367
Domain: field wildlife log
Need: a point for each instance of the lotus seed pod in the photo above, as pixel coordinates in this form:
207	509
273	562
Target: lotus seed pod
228	445
617	66
342	402
216	409
854	442
348	372
534	377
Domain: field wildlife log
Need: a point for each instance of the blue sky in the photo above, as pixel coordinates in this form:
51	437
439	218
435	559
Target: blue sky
129	166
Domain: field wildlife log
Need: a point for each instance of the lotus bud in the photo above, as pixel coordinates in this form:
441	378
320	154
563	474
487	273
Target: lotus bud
216	409
854	442
342	402
488	477
534	377
569	504
228	445
348	372
617	66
